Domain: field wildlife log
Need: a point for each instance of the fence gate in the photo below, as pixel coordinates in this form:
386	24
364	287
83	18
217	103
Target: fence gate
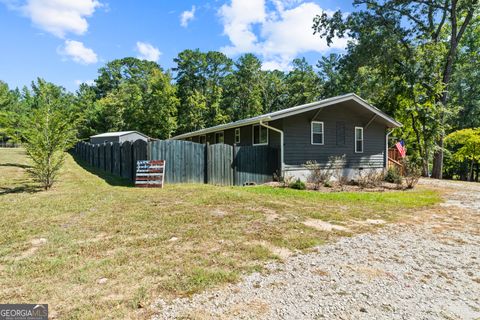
185	160
255	164
219	166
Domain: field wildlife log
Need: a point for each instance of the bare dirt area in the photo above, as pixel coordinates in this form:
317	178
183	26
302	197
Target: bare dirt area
423	267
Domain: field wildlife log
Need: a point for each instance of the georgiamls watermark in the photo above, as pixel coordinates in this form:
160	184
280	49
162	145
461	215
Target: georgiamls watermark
23	311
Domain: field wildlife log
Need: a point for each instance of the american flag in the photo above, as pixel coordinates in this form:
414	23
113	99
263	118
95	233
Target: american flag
401	148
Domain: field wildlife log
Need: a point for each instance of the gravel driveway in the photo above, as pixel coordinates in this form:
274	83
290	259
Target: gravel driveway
424	268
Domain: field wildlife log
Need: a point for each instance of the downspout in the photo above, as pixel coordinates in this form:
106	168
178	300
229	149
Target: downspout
282	165
386	148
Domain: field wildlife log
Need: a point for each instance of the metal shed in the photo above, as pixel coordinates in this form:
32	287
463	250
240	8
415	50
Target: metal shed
119	136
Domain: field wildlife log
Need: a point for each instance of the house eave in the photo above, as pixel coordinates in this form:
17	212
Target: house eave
222	127
391	123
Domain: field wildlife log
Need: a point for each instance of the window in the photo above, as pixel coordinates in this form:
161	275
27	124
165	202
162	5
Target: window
358	139
317	132
219	137
237	135
203	139
260	135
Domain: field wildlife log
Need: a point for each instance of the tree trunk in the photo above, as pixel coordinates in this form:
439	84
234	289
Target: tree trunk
437	169
470	174
477	171
455	37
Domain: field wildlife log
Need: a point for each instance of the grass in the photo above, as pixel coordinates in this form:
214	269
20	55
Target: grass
151	243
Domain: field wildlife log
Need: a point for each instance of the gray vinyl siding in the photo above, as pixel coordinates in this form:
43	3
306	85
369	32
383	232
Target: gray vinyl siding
298	147
338	139
246	136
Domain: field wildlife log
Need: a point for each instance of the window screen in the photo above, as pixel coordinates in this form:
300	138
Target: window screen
317	132
260	135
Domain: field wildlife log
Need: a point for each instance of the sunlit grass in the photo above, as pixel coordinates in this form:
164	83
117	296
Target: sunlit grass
155	242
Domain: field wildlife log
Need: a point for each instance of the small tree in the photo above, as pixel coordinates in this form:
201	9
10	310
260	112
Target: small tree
48	132
412	172
467	145
337	164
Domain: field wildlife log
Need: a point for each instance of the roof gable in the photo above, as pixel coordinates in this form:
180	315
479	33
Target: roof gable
116	134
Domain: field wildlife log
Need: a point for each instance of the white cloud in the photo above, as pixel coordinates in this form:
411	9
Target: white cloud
76	51
284	31
57	17
187	16
238	19
147	51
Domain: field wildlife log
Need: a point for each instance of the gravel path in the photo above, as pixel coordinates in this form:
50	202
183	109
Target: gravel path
428	268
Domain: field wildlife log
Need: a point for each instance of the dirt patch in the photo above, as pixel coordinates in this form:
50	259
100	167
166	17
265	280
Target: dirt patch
324	226
219	213
282	253
38	242
35	245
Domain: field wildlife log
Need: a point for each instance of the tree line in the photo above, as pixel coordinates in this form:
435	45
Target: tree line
418	61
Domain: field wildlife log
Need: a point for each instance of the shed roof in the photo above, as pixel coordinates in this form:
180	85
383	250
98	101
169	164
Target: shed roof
392	123
116	134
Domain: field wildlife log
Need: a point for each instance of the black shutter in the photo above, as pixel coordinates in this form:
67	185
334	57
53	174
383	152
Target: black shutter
340	133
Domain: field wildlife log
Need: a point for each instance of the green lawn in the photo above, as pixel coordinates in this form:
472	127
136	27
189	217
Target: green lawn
56	245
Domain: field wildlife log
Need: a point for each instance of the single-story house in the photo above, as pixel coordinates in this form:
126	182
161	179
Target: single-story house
119	136
344	125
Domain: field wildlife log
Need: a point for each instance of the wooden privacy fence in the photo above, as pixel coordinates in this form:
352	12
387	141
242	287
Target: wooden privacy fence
255	164
187	162
4	144
116	158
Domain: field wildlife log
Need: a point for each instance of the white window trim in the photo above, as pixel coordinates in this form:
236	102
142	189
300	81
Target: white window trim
323	133
237	134
253	135
355	138
223	134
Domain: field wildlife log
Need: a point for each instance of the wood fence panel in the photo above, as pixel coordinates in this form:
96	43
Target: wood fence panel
220	160
92	155
126	164
108	157
255	164
95	156
185	160
101	156
139	152
116	159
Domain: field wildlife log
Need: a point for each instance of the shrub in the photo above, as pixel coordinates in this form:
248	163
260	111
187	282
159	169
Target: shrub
337	164
287	180
318	176
299	185
393	176
413	172
369	178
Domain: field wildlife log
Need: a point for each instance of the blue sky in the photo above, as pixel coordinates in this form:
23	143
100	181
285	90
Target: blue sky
66	41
